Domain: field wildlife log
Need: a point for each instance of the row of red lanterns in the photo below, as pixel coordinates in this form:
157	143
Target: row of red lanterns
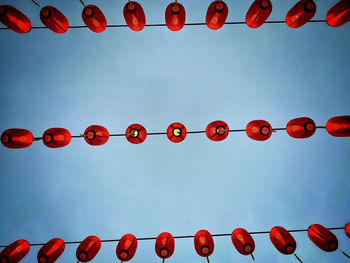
259	130
175	16
165	245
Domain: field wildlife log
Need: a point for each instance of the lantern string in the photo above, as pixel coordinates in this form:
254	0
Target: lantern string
252	256
36	3
163	260
298	258
81	1
208	259
345	254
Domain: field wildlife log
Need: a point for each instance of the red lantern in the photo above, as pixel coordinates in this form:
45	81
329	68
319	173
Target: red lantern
94	18
88	249
282	240
15	252
339	126
136	133
53	18
17	138
339	14
14	19
347	230
176	132
259	130
51	251
216	15
175	16
301	13
204	243
322	237
126	248
217	130
134	16
243	241
96	135
165	245
56	137
258	12
301	127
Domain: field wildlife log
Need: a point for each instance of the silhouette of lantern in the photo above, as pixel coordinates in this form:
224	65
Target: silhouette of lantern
17	138
243	241
301	13
134	16
56	137
339	126
15	252
282	240
217	130
53	18
339	14
259	130
165	245
51	251
14	19
94	18
96	135
301	127
258	12
322	237
347	230
176	132
175	16
203	243
216	15
126	247
136	133
88	249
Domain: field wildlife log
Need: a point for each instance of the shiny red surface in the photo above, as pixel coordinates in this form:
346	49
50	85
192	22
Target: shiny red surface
204	243
301	13
96	135
56	137
259	130
217	130
339	126
54	19
339	14
134	16
136	133
126	247
282	240
14	19
88	249
165	245
51	251
322	237
15	252
347	230
175	16
94	18
243	241
176	132
17	138
216	15
258	12
301	127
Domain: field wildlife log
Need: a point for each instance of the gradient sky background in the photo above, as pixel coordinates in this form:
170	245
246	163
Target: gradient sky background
156	77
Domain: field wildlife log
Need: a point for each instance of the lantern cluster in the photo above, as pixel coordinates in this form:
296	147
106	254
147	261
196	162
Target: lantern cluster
175	16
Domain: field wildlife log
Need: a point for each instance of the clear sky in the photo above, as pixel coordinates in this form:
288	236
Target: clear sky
156	77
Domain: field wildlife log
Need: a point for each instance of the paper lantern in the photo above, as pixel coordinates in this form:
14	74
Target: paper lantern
14	19
282	240
322	237
347	230
56	137
217	130
51	251
301	13
339	14
15	252
203	243
258	12
126	248
94	18
339	126
96	135
259	130
175	16
301	127
165	245
243	241
134	16
88	249
216	15
176	132
53	18
17	138
136	133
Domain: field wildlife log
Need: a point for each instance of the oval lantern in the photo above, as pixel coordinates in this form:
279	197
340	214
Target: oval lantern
258	12
134	16
339	14
17	138
96	135
126	248
347	230
14	19
243	241
51	251
136	133
175	16
216	15
259	130
53	18
15	252
301	13
282	240
56	137
176	132
94	19
165	245
301	127
339	126
203	243
217	130
322	237
88	249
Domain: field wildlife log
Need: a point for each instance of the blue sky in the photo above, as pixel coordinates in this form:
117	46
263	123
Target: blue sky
156	77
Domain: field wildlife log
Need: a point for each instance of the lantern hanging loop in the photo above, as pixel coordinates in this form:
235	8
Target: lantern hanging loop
298	258
81	1
36	3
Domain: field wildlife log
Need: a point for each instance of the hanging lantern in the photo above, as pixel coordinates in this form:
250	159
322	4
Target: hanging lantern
301	127
51	251
216	15
126	248
56	137
322	237
53	18
301	13
259	130
217	130
134	16
176	132
136	133
347	230
14	19
88	249
258	12
96	135
175	16
339	14
17	138
15	252
339	126
282	240
94	18
243	241
203	243
165	245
